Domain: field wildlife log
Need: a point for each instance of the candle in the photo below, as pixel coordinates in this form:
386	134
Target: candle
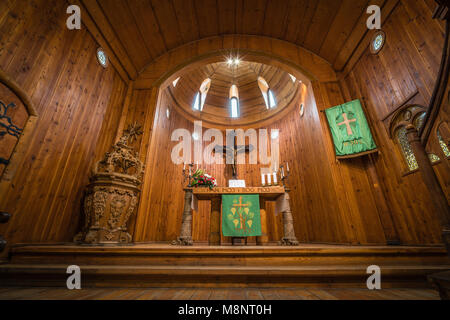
197	165
269	179
282	172
287	167
184	166
263	179
275	181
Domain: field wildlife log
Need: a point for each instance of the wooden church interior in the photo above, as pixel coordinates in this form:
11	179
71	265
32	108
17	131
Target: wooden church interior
169	64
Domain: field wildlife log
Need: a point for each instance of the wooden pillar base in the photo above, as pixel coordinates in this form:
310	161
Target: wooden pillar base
185	238
289	238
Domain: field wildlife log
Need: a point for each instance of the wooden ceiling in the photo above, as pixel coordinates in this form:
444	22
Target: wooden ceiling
251	102
139	31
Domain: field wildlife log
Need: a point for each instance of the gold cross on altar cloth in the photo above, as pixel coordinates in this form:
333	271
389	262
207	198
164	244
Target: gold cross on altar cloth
241	205
347	122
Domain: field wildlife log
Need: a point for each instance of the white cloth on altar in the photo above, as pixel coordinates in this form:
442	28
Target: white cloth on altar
282	204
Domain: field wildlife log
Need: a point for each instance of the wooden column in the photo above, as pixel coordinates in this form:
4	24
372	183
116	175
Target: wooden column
263	239
185	238
431	181
214	231
289	238
4	218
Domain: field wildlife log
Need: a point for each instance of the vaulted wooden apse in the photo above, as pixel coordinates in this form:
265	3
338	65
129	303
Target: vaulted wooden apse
82	109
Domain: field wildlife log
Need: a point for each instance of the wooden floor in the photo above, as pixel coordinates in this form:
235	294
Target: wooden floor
215	294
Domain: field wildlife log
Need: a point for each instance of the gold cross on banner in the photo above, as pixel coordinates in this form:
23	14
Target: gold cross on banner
347	122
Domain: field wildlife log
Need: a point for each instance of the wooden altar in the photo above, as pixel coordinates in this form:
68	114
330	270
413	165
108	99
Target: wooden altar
274	193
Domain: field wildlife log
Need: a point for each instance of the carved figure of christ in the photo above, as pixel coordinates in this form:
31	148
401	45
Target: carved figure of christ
231	154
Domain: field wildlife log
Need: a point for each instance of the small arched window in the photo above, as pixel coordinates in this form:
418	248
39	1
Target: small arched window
267	94
200	97
234	102
443	145
415	116
406	149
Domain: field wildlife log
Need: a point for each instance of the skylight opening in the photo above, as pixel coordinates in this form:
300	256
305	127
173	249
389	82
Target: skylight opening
234	108
200	97
272	100
293	78
174	83
196	104
234	101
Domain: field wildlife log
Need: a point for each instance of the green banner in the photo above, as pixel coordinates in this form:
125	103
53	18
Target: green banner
350	131
240	215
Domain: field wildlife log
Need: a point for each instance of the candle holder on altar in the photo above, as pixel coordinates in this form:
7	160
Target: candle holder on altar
285	177
187	173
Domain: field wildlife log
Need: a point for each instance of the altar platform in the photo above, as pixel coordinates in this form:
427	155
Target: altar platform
163	265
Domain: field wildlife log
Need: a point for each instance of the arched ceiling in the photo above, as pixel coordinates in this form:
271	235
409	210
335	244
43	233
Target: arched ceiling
139	31
252	105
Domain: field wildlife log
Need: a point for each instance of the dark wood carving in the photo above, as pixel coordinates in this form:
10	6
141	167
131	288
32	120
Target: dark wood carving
4	218
13	117
112	196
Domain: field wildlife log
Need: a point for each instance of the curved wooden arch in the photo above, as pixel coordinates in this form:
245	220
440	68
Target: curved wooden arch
12	85
397	123
296	60
23	142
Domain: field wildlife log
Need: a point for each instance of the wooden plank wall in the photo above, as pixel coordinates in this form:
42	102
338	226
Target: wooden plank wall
332	202
406	66
72	93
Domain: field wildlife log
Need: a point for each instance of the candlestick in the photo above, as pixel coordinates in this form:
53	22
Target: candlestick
269	182
275	181
263	179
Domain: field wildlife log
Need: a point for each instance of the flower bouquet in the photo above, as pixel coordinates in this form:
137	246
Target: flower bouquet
201	179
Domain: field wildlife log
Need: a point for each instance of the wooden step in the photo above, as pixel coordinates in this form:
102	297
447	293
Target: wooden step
229	256
214	276
169	266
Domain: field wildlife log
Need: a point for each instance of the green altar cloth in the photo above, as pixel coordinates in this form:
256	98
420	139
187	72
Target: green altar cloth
240	216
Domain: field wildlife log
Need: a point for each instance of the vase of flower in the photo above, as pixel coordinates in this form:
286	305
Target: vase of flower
200	179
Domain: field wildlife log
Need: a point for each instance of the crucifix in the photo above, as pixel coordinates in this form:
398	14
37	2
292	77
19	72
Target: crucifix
231	154
347	122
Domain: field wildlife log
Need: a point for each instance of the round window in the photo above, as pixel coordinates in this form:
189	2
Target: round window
102	58
378	41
